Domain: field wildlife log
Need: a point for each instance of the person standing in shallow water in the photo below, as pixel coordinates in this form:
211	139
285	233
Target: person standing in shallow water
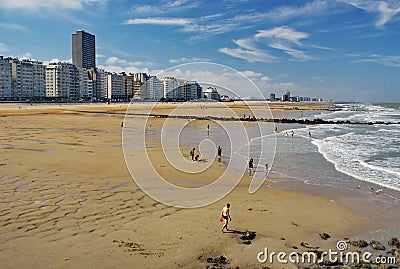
219	153
192	153
226	216
250	166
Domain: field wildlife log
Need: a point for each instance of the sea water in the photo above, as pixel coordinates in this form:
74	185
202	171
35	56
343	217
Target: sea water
370	153
365	157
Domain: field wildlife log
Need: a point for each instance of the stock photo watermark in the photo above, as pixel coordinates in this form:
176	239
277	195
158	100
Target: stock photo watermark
340	255
140	135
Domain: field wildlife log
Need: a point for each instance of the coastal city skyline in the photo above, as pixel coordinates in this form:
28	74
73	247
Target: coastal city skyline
30	80
340	50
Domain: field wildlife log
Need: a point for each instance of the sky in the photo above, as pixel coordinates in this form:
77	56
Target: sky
332	49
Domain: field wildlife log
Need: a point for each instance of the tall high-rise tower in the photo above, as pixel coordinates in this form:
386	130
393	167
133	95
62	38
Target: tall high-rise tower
83	49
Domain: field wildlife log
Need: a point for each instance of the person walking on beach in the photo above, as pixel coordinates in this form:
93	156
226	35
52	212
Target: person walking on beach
192	153
219	153
292	133
250	166
266	170
226	216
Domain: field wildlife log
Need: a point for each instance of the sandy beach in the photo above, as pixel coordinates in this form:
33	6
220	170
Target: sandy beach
69	201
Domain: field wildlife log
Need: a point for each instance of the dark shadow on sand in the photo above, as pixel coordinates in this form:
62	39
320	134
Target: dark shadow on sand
234	231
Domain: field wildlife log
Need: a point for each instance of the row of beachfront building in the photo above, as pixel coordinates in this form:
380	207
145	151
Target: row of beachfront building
23	79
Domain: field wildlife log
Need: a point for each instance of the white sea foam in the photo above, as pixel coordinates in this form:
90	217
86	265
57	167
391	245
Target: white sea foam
367	152
370	153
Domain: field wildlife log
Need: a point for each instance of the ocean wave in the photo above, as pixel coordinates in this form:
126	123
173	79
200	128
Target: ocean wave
389	130
380	168
348	167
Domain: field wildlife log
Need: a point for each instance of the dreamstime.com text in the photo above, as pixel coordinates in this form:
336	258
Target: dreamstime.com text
338	256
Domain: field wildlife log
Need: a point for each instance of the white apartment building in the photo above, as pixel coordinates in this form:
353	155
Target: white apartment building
154	89
211	94
114	86
141	77
169	85
63	80
28	79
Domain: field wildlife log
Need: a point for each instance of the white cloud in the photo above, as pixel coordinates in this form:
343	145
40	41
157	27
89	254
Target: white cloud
26	55
249	55
386	10
388	60
159	21
36	5
282	13
111	60
200	27
116	61
115	64
245	43
3	48
185	60
296	54
281	38
165	7
13	26
311	8
283	32
249	73
146	9
205	27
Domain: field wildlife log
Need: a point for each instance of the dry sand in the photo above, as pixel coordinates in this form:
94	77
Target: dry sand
68	201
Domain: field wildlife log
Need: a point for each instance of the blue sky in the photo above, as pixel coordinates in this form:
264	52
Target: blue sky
337	49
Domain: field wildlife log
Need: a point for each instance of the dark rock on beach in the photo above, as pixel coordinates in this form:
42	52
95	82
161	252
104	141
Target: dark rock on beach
394	242
248	236
217	263
359	243
377	245
362	265
324	236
